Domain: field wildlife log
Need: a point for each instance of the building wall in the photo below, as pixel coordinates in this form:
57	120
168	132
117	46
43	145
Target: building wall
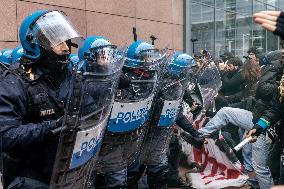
111	18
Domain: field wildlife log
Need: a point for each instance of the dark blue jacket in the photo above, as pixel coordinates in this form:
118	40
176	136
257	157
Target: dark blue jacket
28	110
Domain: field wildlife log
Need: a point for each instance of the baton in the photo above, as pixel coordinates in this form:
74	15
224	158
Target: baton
243	143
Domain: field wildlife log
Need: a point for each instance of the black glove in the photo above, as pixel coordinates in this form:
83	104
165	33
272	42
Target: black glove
280	26
259	130
197	141
210	113
124	82
57	125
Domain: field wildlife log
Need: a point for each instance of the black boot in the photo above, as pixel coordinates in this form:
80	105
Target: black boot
176	182
173	179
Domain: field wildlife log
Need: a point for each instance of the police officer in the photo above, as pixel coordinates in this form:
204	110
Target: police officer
6	56
32	98
74	60
129	116
17	53
5	60
166	111
94	87
170	96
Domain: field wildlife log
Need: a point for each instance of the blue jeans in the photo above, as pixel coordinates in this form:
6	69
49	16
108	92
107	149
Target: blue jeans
246	152
238	117
261	150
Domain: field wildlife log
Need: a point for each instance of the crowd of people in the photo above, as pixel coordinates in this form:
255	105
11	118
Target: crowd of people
114	118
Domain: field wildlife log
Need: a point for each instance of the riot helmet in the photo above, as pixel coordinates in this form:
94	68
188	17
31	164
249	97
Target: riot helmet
44	30
180	65
17	54
143	61
6	56
100	64
73	61
98	56
177	74
143	55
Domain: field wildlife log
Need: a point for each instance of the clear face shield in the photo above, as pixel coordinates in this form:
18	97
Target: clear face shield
209	82
148	59
52	29
102	61
143	72
172	83
146	66
101	70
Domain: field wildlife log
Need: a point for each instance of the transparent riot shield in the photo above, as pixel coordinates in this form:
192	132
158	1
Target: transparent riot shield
165	111
209	83
130	113
86	118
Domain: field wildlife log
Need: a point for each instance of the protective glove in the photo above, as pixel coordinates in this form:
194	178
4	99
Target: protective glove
57	125
280	26
124	82
197	141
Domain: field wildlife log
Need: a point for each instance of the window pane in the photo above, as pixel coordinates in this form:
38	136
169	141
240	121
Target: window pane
202	27
225	32
243	37
279	4
244	7
258	6
235	30
206	2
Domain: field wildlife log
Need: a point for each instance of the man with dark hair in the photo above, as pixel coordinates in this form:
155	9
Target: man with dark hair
226	56
230	91
253	53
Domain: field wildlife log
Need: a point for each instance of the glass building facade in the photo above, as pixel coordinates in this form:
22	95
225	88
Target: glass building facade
227	25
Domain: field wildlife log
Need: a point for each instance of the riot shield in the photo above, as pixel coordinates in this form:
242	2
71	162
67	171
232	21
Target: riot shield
130	113
209	83
86	117
163	118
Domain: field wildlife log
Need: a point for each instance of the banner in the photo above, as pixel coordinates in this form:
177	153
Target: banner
217	170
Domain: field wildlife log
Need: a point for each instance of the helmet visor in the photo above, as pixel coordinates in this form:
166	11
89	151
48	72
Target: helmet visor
104	60
149	59
53	28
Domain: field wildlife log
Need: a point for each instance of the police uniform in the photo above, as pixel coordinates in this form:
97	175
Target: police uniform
30	104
